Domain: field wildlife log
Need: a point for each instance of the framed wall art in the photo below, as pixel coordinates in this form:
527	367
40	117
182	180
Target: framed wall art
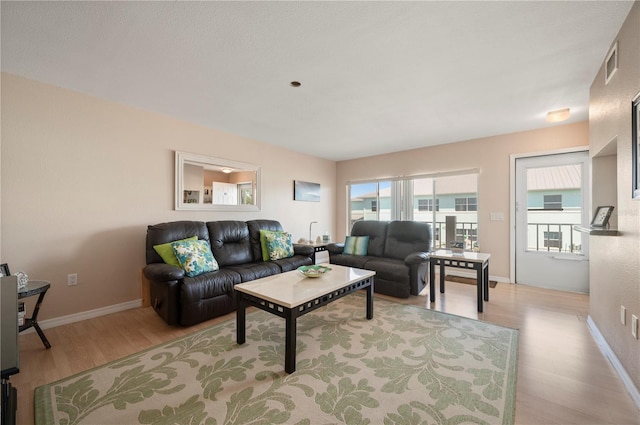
601	217
305	191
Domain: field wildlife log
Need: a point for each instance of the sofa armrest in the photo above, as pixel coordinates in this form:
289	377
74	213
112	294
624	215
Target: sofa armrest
416	258
335	248
161	272
302	249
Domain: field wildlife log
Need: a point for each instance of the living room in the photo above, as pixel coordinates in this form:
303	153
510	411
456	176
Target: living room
83	177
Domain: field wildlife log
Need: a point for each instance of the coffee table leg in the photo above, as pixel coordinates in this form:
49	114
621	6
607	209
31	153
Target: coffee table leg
290	344
442	276
486	281
480	285
240	320
370	301
432	281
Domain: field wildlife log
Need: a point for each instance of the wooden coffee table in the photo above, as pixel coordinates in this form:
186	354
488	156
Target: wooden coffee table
291	295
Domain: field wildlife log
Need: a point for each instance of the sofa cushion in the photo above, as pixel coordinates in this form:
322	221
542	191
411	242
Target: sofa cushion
406	237
377	232
348	260
292	263
254	234
252	271
165	251
278	244
168	232
390	269
195	257
356	245
230	242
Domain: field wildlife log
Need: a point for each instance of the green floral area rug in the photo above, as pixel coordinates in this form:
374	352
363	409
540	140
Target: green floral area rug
408	365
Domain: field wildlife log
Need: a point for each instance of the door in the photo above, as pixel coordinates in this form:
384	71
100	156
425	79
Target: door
551	198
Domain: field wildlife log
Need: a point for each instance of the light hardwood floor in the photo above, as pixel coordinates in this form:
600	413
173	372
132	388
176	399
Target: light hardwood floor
563	378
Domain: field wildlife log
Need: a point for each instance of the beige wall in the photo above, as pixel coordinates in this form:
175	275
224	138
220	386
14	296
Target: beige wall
491	155
615	261
82	178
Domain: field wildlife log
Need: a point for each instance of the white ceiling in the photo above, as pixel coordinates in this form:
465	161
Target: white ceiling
376	77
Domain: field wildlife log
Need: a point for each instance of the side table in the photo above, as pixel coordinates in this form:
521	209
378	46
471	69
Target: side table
35	287
465	260
320	248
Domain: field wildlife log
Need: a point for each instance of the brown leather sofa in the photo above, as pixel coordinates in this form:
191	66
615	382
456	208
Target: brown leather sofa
183	300
398	251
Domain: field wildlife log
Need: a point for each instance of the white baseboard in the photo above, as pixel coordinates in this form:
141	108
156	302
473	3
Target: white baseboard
613	359
84	315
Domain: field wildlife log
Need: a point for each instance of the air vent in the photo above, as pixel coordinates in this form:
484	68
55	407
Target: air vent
611	64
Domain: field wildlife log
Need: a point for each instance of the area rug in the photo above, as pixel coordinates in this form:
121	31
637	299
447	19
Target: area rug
408	365
467	280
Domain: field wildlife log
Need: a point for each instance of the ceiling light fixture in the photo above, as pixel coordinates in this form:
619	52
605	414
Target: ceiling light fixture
226	170
558	115
295	84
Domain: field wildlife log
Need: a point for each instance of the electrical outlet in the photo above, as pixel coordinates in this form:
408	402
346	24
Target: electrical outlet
72	279
634	326
497	216
623	315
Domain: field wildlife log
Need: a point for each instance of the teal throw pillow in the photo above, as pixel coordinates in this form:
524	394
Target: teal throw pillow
165	251
195	257
278	245
356	245
263	241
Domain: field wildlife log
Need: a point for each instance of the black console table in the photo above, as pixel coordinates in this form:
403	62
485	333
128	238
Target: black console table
465	260
35	287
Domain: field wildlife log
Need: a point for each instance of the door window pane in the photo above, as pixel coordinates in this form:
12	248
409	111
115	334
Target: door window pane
554	206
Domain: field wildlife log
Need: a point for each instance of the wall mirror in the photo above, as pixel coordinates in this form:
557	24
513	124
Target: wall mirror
216	184
635	147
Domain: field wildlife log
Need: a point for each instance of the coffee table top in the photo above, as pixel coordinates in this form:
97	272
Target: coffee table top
291	289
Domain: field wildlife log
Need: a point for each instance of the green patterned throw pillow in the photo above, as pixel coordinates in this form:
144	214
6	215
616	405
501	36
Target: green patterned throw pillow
195	257
356	245
278	245
165	251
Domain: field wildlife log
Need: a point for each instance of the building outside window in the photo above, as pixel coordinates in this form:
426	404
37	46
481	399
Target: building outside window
466	204
427	199
552	202
553	240
427	204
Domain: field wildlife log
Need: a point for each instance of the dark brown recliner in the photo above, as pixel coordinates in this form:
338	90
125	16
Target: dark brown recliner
398	251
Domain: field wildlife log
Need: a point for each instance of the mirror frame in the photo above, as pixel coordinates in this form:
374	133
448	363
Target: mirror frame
635	146
182	157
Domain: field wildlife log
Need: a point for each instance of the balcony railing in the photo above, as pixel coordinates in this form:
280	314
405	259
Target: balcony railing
556	237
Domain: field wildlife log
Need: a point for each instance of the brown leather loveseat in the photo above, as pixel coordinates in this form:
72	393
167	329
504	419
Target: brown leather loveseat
236	247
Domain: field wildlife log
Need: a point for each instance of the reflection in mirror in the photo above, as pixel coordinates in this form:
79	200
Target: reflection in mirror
209	183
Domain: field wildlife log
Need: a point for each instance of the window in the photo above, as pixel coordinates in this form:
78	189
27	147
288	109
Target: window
553	240
427	205
370	201
466	204
553	202
427	198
